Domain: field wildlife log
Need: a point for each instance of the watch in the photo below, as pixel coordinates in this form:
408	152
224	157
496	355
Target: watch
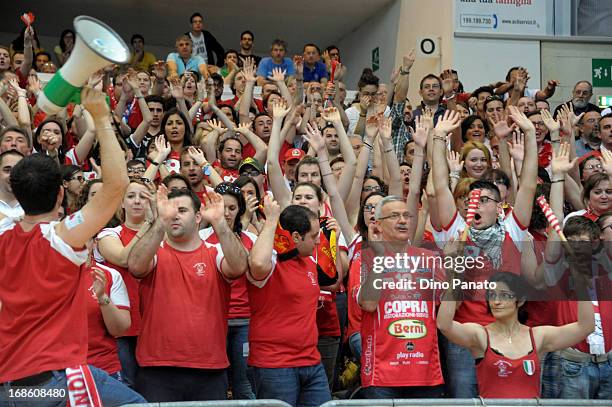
206	170
105	300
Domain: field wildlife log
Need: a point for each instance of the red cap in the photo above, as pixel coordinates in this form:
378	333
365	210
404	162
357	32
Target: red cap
294	154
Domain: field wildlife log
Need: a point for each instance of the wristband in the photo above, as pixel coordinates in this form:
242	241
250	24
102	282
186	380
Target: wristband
368	145
402	72
206	170
557	180
105	300
555	141
362	115
154	162
388	151
438	138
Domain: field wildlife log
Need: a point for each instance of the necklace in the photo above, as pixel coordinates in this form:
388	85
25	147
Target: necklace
509	336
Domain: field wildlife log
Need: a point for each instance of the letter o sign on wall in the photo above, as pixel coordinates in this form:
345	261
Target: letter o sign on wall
428	47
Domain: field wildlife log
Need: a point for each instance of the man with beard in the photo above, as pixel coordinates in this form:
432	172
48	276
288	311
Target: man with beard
246	47
332	142
230	156
401	111
588	129
581	96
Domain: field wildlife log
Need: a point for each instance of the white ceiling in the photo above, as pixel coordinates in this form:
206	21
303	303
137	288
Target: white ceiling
320	21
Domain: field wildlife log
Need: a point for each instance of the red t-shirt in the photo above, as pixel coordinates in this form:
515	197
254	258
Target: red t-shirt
228	175
500	377
239	302
102	352
43	324
185	301
283	326
125	235
399	339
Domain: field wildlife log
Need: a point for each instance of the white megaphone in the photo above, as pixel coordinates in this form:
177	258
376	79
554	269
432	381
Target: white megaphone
96	46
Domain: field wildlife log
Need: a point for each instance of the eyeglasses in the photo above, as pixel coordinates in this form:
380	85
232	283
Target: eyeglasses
490	98
368	207
225	188
593	167
135	169
371	189
482	201
78	178
582	92
502	295
395	216
250	173
432	86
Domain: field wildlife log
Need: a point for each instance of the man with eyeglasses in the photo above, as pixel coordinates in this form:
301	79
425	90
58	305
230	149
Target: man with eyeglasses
581	96
400	357
251	167
588	129
431	92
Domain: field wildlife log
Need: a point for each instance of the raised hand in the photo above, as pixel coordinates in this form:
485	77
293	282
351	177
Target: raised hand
278	75
365	102
197	155
279	109
251	206
501	128
271	209
34	84
408	60
428	117
176	90
568	110
331	114
606	161
298	63
560	162
372	127
163	148
248	68
96	168
521	120
385	129
549	122
517	147
166	209
448	83
216	125
244	128
160	70
315	138
95	103
332	224
213	208
449	122
454	162
419	134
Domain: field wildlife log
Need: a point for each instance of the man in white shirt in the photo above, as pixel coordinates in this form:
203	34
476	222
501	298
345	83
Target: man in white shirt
9	206
205	44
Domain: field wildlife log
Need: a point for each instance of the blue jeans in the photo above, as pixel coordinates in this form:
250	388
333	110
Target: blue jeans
297	386
126	349
238	352
551	375
461	382
355	345
111	391
587	380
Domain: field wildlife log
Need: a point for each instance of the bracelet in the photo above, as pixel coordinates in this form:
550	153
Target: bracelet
557	180
388	151
454	176
105	300
154	162
139	97
362	115
418	155
368	146
438	138
402	72
555	141
22	96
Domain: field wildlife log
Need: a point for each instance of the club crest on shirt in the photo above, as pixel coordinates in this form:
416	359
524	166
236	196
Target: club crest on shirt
200	269
502	367
529	367
312	278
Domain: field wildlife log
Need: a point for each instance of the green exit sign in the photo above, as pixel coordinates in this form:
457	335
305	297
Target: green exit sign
604	101
601	73
376	59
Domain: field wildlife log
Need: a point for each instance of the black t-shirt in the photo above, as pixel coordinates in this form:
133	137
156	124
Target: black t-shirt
140	152
255	57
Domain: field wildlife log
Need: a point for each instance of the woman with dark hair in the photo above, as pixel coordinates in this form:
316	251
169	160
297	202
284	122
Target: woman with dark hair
366	97
252	220
73	182
175	126
239	311
66	44
50	139
596	197
507	352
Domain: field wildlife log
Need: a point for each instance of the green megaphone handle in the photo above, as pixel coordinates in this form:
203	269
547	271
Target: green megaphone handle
59	91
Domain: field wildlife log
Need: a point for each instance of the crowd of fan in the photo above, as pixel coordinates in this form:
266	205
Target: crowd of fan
232	265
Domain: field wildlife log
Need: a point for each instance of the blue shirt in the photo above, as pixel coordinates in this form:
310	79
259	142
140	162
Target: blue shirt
193	64
315	74
267	65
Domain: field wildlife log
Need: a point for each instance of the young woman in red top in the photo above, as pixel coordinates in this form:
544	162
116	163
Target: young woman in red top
507	352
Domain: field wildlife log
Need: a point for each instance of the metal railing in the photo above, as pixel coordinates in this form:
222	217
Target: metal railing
476	402
219	403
